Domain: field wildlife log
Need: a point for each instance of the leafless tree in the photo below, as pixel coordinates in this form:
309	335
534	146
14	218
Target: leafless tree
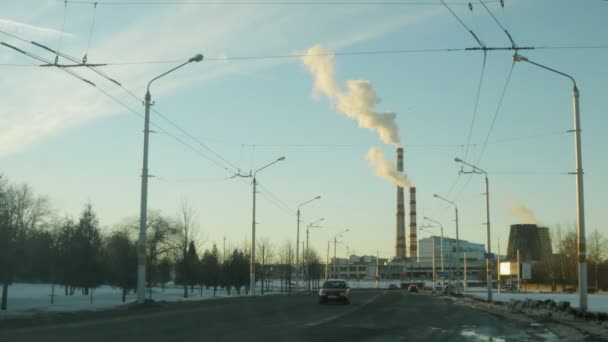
597	248
265	256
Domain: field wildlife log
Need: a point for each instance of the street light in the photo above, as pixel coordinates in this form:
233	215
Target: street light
298	237
457	239
252	257
488	245
143	213
423	228
441	253
306	269
580	196
335	243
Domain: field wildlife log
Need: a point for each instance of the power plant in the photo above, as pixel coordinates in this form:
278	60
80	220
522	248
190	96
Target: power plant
400	251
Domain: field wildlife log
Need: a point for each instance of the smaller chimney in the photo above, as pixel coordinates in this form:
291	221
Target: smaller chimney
413	235
400	250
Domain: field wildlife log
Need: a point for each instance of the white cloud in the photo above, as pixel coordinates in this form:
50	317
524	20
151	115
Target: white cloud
30	31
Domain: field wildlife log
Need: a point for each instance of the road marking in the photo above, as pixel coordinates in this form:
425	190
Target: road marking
342	314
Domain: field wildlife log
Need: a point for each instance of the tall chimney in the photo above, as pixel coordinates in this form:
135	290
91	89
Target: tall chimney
400	251
413	237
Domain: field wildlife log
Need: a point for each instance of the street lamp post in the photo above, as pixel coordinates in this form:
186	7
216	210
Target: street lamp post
488	245
335	257
580	196
298	238
307	259
143	213
252	257
457	239
441	252
433	257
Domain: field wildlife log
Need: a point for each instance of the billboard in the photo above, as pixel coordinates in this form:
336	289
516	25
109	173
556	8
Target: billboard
510	269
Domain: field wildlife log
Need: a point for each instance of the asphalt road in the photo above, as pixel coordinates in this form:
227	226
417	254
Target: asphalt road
373	316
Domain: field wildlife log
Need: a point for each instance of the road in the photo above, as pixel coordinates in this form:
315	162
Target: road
373	316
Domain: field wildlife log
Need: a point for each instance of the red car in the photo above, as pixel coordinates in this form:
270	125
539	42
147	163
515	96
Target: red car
334	290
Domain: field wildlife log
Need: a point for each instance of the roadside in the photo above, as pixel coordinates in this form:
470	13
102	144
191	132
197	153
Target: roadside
562	322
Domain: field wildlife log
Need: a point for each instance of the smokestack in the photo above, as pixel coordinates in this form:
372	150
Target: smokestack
413	237
400	251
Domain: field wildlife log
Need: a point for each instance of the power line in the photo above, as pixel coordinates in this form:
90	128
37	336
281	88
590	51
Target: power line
477	97
502	96
355	53
268	3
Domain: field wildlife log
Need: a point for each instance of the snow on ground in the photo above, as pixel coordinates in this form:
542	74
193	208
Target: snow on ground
27	299
596	302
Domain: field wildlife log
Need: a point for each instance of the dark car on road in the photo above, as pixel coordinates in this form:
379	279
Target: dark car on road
413	288
393	287
334	290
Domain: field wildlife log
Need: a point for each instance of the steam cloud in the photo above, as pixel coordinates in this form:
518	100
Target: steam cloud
359	100
385	168
523	213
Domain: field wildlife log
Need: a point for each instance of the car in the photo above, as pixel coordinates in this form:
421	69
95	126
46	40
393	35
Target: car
412	288
334	290
393	287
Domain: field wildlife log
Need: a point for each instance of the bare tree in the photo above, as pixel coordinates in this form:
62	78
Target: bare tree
187	227
286	256
597	253
265	257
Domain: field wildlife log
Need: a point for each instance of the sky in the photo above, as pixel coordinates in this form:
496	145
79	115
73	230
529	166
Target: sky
74	143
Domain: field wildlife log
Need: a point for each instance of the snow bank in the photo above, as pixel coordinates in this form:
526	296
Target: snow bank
596	302
27	299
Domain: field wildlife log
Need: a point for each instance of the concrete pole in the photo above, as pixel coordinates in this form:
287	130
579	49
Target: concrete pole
327	262
377	269
457	252
305	261
347	264
252	261
498	266
335	260
518	272
433	263
465	271
489	246
442	274
143	213
298	249
580	206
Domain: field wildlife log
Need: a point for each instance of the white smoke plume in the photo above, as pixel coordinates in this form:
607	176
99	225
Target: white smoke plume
523	213
385	168
359	100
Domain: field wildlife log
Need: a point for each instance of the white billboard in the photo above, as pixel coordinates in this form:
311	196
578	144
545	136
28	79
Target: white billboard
510	269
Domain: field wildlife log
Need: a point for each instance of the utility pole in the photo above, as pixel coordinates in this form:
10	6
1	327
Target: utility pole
434	274
335	260
298	238
224	251
498	266
143	212
518	272
377	269
488	245
327	262
252	259
347	263
465	271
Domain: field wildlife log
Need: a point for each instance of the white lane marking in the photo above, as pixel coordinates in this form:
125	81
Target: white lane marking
342	314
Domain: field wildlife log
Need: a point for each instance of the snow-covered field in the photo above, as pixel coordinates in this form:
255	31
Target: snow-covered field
27	299
596	302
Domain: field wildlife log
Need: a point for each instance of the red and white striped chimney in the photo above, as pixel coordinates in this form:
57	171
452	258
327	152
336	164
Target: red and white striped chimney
413	234
400	251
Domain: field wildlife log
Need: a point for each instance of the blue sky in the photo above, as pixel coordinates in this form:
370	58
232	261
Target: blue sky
74	144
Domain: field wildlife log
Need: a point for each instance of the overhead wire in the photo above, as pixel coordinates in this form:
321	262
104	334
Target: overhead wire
476	107
496	112
288	3
92	27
